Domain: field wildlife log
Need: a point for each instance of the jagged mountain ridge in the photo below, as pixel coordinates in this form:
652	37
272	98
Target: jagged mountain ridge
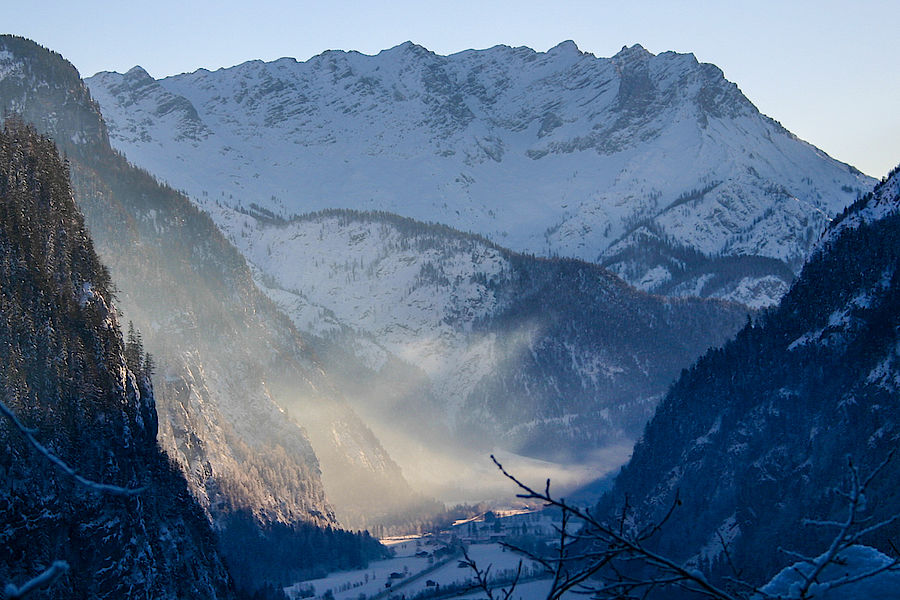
226	357
755	436
651	165
65	373
553	358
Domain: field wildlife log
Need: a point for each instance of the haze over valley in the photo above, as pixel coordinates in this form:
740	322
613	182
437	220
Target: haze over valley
311	300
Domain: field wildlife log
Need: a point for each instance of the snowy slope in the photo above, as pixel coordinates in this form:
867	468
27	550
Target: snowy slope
556	153
868	209
463	343
368	274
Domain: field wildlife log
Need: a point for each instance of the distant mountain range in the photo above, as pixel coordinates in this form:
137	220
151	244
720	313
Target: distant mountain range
453	362
654	166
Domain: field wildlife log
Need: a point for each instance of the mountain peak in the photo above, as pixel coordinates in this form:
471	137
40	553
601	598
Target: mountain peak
137	74
635	52
567	47
409	47
383	117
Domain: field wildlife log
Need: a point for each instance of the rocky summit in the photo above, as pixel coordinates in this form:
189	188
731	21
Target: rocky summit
655	166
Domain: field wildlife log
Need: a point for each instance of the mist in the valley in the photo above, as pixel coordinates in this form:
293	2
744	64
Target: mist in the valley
443	348
442	454
284	424
240	390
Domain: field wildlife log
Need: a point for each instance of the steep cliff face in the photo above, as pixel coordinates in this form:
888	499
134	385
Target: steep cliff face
653	165
222	348
756	436
85	396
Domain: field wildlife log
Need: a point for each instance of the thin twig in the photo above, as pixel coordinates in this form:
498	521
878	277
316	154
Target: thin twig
621	545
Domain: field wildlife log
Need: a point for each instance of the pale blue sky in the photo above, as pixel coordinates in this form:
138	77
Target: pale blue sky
827	70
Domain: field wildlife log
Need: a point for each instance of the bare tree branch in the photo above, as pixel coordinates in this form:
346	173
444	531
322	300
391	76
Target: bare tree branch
482	577
605	572
850	532
618	546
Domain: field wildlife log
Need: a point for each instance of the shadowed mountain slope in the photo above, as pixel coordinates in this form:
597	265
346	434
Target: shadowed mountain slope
86	397
756	436
226	358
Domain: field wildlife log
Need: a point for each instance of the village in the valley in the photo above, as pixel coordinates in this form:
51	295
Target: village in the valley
434	566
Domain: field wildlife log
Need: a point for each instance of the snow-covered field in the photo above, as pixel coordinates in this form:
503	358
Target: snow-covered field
417	572
429	566
526	590
347	585
864	574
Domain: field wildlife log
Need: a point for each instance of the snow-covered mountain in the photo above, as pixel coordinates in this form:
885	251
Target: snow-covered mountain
755	438
447	343
653	165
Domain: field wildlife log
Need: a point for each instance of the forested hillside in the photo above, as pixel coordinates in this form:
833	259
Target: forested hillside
85	396
755	437
225	356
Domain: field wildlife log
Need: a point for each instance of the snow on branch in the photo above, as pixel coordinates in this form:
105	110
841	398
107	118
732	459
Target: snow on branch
104	488
59	567
850	533
45	579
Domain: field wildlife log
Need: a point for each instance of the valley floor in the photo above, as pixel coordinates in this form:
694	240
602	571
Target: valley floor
429	567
